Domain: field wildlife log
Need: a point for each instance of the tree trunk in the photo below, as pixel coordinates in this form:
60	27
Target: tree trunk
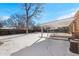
27	26
27	31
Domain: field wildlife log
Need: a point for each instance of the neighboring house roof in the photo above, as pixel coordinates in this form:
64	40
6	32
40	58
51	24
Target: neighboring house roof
7	28
59	23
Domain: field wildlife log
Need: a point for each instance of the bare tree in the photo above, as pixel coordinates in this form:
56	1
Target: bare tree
15	20
1	25
31	10
18	21
1	22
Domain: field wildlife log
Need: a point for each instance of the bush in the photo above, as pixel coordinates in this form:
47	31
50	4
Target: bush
11	31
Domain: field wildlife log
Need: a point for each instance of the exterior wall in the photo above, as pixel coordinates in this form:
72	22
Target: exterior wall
77	22
74	26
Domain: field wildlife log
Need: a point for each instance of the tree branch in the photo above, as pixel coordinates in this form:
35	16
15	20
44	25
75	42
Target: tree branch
29	6
34	12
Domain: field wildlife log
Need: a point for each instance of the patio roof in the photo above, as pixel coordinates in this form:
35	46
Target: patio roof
59	23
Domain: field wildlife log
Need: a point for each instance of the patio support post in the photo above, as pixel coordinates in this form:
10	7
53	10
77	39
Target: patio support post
47	32
53	32
41	31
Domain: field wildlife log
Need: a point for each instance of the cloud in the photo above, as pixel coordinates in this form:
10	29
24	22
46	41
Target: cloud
2	18
70	13
5	17
66	16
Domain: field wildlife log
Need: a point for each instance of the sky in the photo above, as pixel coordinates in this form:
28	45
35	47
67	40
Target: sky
8	9
51	11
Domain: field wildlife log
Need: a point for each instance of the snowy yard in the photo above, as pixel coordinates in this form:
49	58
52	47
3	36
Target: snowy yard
32	45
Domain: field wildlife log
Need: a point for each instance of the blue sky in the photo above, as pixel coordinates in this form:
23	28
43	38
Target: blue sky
7	9
51	12
57	11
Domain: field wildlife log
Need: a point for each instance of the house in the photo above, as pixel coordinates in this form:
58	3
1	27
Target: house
63	23
74	26
70	24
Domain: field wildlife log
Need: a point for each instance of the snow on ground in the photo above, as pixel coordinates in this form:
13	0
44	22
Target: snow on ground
17	42
32	45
